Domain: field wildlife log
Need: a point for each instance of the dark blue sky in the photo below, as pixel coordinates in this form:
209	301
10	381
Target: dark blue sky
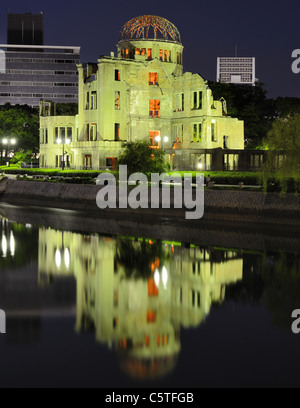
264	29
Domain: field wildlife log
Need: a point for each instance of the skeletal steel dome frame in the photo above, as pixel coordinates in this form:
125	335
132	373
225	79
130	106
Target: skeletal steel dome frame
150	27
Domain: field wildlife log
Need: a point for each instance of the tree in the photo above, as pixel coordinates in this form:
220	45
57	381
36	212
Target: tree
141	158
250	104
283	141
21	123
66	109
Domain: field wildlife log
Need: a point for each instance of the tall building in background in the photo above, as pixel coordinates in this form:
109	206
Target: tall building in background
25	29
236	70
31	71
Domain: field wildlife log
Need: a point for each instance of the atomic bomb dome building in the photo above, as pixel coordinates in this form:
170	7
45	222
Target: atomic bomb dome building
142	93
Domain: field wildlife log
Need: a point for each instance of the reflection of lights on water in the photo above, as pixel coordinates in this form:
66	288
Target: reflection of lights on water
67	258
4	246
8	245
63	255
164	277
12	244
156	278
57	258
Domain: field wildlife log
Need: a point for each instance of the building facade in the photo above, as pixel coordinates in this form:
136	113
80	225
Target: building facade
35	72
140	94
25	29
236	70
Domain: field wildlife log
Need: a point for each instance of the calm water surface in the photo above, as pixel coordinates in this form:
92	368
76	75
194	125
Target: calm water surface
91	310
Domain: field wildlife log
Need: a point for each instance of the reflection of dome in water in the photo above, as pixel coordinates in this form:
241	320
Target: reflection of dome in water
150	27
148	369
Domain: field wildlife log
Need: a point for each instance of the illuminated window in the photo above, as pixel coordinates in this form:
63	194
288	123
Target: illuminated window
154	108
154	139
151	316
177	133
152	288
117	100
137	51
170	59
166	55
123	343
117	132
143	51
94	100
153	78
111	162
117	75
160	55
88	161
147	341
149	53
93	132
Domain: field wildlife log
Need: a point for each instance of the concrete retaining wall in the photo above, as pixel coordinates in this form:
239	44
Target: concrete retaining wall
249	206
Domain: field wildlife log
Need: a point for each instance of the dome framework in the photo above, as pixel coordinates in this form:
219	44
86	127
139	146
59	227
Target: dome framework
150	27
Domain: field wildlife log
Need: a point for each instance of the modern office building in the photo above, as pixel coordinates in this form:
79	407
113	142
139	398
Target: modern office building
31	71
141	94
35	72
236	70
25	29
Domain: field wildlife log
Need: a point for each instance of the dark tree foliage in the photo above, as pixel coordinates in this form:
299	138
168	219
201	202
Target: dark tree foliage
141	158
20	122
66	109
250	104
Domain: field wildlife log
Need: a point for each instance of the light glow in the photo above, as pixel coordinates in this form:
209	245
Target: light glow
58	259
12	244
4	246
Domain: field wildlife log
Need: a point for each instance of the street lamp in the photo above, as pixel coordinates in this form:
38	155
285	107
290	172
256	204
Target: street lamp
63	142
8	143
162	140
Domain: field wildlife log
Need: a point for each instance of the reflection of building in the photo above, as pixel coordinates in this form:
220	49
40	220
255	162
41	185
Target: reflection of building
140	317
24	300
141	94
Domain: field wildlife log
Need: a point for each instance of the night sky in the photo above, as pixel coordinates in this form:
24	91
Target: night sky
264	29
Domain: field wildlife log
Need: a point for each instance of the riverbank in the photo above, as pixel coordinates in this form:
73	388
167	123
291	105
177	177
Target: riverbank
228	206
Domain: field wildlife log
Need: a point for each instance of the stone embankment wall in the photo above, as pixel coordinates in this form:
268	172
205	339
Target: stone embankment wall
251	206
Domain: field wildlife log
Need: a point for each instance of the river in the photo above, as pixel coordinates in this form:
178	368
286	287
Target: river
117	304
